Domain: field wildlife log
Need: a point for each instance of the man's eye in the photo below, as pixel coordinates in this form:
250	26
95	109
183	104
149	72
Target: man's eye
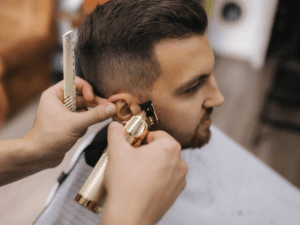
194	89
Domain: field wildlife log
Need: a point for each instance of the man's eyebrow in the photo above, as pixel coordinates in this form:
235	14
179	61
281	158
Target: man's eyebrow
189	83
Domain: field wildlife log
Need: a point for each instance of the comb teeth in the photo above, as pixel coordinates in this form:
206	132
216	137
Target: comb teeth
70	103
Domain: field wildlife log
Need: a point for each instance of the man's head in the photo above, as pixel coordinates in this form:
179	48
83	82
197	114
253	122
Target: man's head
158	50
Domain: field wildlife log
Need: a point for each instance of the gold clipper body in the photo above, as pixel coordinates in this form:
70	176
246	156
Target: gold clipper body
92	195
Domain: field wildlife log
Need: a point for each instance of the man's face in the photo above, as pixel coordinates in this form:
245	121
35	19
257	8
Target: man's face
186	91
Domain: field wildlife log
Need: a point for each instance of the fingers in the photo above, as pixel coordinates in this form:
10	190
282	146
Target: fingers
85	88
89	99
183	172
82	110
156	135
94	115
168	145
57	90
116	136
183	168
181	187
86	98
82	87
81	102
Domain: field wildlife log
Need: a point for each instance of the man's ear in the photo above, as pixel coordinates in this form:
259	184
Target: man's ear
127	106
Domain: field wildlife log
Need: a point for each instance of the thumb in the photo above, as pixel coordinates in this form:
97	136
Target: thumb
116	136
95	115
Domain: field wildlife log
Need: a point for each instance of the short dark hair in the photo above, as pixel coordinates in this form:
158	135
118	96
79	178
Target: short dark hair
116	41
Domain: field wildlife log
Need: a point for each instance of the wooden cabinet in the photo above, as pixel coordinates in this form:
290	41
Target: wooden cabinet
90	5
27	37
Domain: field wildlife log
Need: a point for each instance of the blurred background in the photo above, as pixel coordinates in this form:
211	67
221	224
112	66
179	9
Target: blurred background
256	46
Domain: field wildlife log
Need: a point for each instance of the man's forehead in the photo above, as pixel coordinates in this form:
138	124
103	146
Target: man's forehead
181	58
171	44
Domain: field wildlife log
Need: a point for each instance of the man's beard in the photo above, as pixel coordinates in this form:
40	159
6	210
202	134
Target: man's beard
197	139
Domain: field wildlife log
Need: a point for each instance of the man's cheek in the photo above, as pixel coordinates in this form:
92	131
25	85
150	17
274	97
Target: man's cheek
192	119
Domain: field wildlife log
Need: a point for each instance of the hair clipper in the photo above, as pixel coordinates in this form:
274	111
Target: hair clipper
92	195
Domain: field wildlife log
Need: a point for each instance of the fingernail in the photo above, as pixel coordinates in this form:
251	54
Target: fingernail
113	124
111	109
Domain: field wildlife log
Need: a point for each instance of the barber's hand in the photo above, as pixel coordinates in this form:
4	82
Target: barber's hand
56	128
142	183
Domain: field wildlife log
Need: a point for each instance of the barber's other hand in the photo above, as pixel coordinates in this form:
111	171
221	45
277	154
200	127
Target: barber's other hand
56	128
142	183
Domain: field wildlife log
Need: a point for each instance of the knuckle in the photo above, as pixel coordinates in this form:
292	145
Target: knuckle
167	143
175	147
98	114
79	100
117	130
156	135
172	147
113	126
95	115
79	81
161	141
184	167
44	94
150	137
161	134
184	183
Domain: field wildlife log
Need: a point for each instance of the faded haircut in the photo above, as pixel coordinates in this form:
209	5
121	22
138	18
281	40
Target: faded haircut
116	41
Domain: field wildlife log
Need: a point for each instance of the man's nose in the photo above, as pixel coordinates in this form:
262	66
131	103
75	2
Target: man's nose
219	98
215	97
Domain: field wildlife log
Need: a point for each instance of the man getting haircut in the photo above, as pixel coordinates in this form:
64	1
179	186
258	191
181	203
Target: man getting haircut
154	50
132	51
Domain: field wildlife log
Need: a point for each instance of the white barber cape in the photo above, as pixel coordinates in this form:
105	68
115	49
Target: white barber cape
226	185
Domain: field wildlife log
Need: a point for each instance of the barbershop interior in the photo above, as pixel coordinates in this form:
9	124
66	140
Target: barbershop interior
256	45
